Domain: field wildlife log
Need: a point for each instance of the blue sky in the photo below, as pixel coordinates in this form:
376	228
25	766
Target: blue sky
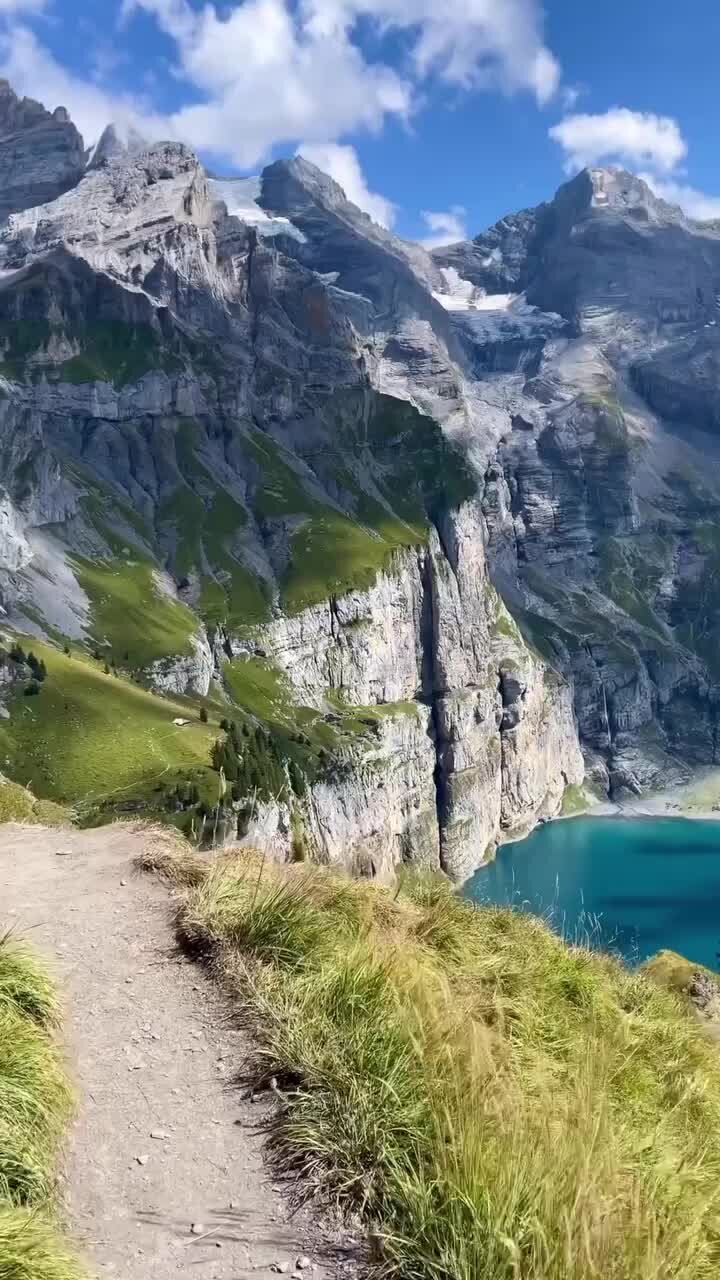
438	116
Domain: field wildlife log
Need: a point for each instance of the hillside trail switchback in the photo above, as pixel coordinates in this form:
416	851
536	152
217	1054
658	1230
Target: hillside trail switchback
164	1175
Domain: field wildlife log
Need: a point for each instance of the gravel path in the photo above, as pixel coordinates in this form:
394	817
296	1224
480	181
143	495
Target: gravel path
164	1174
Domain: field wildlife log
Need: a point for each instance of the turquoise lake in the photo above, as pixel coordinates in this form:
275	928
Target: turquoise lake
630	885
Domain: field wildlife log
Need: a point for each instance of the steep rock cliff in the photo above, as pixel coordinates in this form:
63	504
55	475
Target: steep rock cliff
426	523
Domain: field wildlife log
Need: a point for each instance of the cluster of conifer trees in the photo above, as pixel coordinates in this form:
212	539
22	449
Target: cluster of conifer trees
255	763
37	667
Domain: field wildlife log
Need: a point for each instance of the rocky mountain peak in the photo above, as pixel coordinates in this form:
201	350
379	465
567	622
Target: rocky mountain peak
340	237
296	181
41	152
21	113
617	191
114	144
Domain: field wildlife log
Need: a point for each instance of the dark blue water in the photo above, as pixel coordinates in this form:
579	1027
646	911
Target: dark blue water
631	885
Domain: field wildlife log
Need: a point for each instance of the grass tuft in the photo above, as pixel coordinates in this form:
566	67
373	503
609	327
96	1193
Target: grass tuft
167	854
24	982
30	1248
35	1105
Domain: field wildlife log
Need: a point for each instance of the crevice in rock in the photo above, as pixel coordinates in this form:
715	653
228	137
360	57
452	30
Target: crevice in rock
429	692
335	624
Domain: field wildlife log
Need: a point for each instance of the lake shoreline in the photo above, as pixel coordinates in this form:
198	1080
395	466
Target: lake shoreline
697	800
633	880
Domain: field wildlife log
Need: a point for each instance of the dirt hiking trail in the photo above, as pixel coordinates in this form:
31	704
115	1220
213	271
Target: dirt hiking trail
165	1143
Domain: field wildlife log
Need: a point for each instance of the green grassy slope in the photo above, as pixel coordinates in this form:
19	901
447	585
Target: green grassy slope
203	520
496	1104
131	618
35	1104
96	740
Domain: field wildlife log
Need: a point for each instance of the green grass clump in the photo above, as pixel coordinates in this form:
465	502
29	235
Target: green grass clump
110	351
204	519
424	470
96	740
330	554
117	352
31	1248
18	804
35	1105
675	972
130	615
24	983
575	800
497	1104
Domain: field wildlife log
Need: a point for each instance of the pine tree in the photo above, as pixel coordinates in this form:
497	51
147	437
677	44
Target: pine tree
204	715
32	689
17	653
225	724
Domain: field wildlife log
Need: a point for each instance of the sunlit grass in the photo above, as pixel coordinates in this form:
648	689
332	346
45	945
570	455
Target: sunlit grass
496	1103
35	1105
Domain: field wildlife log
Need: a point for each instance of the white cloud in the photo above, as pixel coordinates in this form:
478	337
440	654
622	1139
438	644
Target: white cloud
32	70
446	226
342	163
472	43
265	80
8	7
696	204
264	73
633	138
651	145
569	96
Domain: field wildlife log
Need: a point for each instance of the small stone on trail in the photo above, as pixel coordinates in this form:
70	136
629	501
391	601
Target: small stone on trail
159	1134
303	1263
197	1229
141	1159
280	1267
123	883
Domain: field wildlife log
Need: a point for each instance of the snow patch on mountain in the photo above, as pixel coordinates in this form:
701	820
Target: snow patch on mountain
239	195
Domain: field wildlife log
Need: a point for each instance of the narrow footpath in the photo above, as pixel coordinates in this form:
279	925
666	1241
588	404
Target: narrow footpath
164	1174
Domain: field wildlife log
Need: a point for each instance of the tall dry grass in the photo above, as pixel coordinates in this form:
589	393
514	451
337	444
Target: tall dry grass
35	1104
498	1105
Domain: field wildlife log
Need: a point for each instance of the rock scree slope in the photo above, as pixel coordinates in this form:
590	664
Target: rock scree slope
437	531
164	1174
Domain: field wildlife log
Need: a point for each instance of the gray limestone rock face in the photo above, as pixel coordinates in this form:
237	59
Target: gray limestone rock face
41	152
